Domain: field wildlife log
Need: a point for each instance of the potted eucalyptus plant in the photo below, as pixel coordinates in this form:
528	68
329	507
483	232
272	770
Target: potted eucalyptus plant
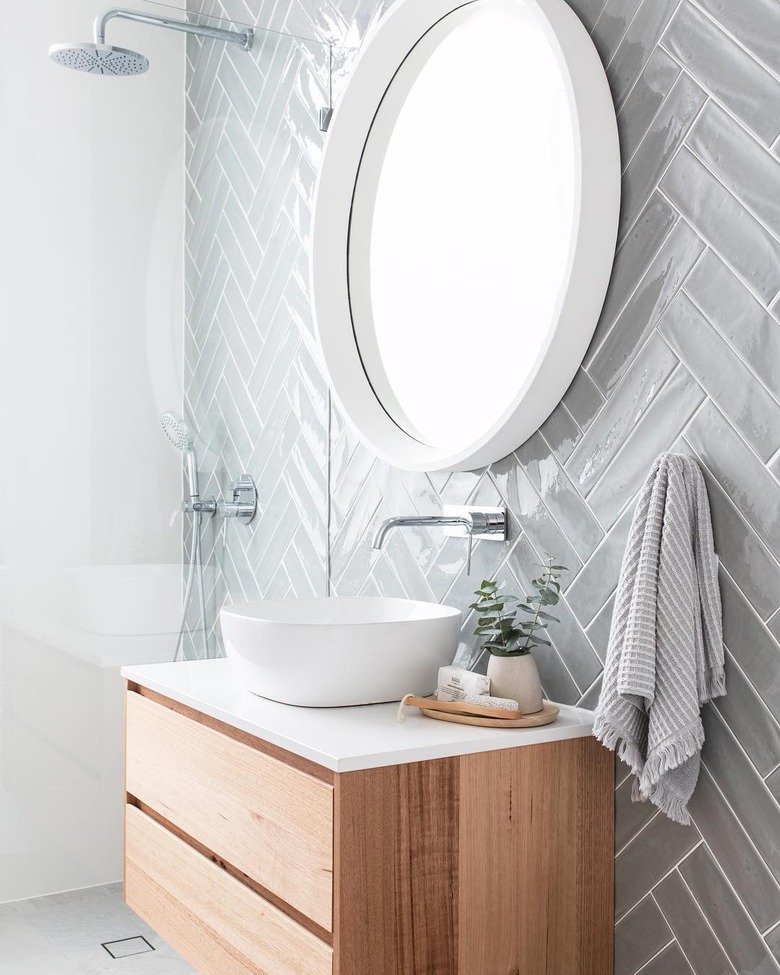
511	637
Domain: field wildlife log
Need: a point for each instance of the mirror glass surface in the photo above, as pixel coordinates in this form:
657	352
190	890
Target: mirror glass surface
463	222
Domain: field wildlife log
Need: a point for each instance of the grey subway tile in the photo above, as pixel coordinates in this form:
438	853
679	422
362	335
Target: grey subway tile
735	854
749	719
659	428
756	24
561	497
690	928
724	223
588	11
659	285
638	44
744	478
663	139
599	629
743	787
738	316
561	432
639	936
745	87
634	255
598	579
751	644
590	698
725	378
773	942
646	98
726	915
624	409
611	26
630	816
738	160
583	399
644	862
671	961
773	783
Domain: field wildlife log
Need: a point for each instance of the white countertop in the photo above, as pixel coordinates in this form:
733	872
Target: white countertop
341	739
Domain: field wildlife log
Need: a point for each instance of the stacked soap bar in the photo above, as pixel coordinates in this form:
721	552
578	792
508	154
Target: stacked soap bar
456	684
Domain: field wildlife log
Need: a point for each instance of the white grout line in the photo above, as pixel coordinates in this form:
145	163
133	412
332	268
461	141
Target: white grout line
661	33
656	955
706	921
660	879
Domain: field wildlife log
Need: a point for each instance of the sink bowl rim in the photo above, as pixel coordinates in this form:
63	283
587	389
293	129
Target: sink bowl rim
241	610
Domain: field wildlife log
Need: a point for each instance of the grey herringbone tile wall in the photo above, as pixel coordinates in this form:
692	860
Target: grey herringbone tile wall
686	356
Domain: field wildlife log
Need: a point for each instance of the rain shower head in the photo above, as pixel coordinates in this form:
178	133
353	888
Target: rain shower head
177	431
98	58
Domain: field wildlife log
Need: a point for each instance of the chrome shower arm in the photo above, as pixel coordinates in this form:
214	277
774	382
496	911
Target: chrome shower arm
244	38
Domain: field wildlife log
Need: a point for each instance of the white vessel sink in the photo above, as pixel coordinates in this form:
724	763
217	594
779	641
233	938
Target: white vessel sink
338	652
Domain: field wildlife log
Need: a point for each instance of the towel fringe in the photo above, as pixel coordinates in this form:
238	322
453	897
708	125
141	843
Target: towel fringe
712	683
671	755
672	805
615	739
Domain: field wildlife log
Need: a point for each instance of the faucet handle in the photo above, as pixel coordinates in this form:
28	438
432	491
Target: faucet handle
487	523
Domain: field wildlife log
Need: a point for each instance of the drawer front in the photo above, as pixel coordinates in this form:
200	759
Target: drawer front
268	820
215	922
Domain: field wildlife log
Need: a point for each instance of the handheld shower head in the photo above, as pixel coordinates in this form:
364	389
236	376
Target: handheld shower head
98	58
177	431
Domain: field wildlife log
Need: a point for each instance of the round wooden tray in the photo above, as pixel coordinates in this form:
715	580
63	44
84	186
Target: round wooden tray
547	715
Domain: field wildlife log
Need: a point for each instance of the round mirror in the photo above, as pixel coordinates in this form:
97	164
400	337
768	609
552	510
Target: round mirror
464	227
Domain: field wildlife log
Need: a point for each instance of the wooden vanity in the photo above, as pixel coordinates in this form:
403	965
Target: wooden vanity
487	858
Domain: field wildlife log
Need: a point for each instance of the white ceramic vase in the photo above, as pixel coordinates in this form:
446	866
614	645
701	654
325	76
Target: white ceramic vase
516	678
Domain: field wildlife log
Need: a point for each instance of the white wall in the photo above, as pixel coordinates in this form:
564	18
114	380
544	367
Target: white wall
91	227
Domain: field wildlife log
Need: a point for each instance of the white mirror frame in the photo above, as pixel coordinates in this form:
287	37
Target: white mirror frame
590	264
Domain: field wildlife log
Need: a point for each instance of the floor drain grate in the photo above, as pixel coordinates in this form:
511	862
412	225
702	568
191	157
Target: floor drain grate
127	946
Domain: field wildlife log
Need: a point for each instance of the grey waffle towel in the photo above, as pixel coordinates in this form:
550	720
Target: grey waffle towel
665	656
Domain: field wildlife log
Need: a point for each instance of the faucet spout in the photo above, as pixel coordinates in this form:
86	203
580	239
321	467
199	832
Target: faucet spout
417	521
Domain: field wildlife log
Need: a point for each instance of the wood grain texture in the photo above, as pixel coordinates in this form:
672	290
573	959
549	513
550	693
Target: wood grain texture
266	747
270	821
536	865
216	923
396	879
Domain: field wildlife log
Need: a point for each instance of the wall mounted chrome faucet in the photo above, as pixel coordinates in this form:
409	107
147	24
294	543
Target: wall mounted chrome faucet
242	507
486	523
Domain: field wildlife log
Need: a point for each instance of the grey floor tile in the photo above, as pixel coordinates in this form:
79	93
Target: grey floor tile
671	961
724	223
661	282
640	41
724	913
690	928
728	72
664	137
646	98
725	378
739	317
756	23
743	788
657	432
735	854
623	411
639	936
646	860
746	481
740	161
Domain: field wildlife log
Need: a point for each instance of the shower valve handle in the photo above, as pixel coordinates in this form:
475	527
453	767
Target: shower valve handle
244	503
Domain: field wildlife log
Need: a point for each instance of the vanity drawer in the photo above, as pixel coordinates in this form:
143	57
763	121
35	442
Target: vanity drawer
268	820
219	925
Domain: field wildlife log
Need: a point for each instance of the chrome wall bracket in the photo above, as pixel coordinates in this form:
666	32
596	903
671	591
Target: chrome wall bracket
490	524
